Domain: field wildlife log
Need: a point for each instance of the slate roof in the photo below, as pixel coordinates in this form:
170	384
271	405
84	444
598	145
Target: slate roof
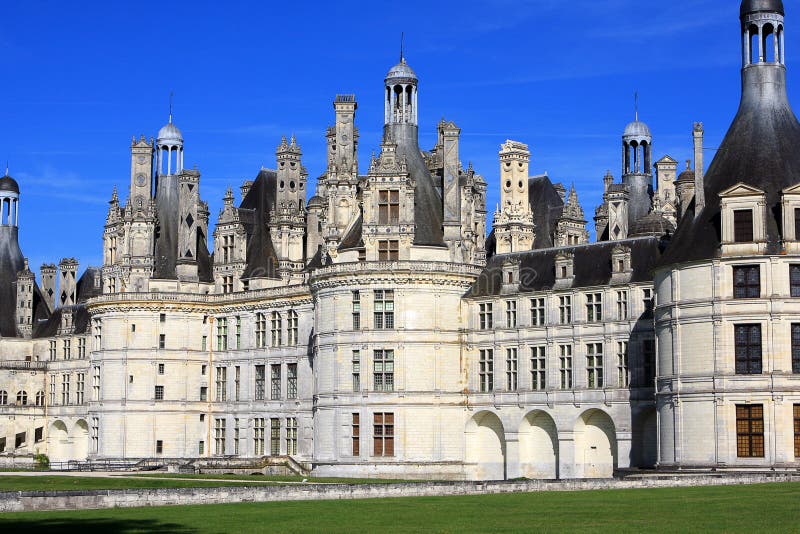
762	149
592	265
547	208
353	238
11	262
254	212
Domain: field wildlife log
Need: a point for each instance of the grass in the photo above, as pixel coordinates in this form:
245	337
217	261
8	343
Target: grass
277	478
61	483
758	508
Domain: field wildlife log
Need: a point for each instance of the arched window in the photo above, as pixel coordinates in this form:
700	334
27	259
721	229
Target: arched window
753	43
22	398
40	398
3	398
768	43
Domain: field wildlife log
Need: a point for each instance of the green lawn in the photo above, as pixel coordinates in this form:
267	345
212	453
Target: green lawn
277	478
758	508
59	483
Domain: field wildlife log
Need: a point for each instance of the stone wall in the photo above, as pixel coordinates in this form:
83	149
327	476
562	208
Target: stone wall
77	500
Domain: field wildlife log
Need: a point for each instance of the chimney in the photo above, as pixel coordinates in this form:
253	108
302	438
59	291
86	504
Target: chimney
699	190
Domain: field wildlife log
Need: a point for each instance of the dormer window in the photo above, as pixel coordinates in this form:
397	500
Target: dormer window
743	226
790	205
744	210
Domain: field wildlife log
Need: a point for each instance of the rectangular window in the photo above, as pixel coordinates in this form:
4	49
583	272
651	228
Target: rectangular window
261	330
486	370
95	435
219	436
383	434
81	347
204	343
96	383
388	207
222	384
52	350
238	332
485	316
65	390
743	226
796	348
383	370
537	312
623	375
649	362
384	308
292	328
797	428
594	365
750	430
203	393
260	382
258	436
274	436
291	436
159	446
647	296
201	448
291	380
162	341
538	368
53	390
38	434
80	385
159	393
512	366
237	381
67	349
388	250
355	434
797	224
20	440
356	370
275	381
161	368
98	333
236	437
746	282
276	326
222	333
511	314
565	359
748	349
594	307
356	310
565	310
622	305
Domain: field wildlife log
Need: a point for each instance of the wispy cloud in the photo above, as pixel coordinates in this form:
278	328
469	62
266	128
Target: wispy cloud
62	185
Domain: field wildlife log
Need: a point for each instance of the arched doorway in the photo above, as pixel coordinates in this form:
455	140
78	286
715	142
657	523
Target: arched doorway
595	445
485	447
538	446
80	440
58	442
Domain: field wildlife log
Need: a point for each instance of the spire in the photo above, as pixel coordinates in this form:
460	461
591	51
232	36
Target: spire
6	167
402	43
171	94
636	104
114	197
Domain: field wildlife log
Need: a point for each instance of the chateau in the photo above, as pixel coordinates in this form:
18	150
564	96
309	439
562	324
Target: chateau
375	328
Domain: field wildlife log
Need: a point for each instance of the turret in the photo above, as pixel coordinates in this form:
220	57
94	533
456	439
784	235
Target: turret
26	281
637	175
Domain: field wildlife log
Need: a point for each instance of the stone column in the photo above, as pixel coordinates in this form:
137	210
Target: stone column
512	456
566	455
623	449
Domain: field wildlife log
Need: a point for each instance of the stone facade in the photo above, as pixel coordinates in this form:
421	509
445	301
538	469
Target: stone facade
374	329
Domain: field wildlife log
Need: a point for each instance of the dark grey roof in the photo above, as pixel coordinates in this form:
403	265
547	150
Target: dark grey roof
761	149
592	266
167	228
86	286
547	206
50	327
11	262
262	261
653	224
316	260
354	239
7	183
756	6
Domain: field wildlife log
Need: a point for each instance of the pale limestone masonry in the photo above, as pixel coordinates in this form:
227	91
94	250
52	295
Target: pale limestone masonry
374	329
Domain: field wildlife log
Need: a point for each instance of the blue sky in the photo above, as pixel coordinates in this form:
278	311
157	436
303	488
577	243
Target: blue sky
77	83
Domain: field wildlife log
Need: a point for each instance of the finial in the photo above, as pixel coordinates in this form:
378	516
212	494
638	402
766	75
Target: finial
6	167
171	94
688	164
402	43
636	103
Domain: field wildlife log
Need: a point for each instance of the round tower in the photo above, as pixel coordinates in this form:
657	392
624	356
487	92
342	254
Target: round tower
11	259
169	147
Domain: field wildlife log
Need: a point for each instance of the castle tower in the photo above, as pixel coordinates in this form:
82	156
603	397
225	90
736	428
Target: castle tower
637	174
513	222
288	222
230	243
11	260
26	282
68	282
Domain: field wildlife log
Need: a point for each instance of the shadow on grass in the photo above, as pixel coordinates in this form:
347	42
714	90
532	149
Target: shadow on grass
122	526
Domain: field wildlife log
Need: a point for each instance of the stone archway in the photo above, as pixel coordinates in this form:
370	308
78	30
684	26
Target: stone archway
485	447
538	446
80	440
595	445
58	442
